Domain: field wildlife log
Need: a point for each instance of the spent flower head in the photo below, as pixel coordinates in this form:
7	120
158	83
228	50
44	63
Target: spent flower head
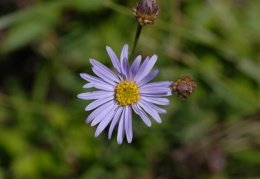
118	94
146	11
184	87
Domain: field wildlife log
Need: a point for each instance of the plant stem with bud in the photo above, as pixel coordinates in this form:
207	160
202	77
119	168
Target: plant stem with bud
146	12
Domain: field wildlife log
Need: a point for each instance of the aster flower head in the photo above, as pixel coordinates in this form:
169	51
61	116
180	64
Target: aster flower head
146	11
117	95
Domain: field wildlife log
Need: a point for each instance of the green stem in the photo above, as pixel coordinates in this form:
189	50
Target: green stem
137	35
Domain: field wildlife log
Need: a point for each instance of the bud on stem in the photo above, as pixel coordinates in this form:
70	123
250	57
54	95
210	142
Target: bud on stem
146	12
184	87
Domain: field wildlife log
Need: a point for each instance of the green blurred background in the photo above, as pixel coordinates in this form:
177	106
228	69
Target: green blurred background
215	133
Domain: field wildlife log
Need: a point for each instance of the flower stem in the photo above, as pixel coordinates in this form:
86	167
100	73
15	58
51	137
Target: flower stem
137	35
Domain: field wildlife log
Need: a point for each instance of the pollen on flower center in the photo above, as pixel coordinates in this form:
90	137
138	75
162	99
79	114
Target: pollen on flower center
127	93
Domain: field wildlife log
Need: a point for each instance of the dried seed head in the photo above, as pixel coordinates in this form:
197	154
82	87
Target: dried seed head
184	87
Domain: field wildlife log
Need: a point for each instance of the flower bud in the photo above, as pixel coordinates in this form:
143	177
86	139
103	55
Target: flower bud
184	87
146	12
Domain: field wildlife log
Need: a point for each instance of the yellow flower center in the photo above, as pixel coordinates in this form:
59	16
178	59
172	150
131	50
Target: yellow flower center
127	93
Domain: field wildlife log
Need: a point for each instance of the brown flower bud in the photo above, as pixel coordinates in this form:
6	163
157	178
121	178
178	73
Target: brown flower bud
184	87
146	12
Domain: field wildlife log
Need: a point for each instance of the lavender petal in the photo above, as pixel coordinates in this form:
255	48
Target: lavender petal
128	124
103	86
103	124
98	110
155	90
142	114
88	85
114	121
124	54
126	68
121	128
98	102
157	95
147	69
95	95
114	59
106	70
106	77
103	115
141	69
150	111
135	67
97	82
158	109
159	101
147	78
157	84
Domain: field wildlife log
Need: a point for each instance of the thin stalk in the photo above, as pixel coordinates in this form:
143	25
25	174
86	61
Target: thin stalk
137	35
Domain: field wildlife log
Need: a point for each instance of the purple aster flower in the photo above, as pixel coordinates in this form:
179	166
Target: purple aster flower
118	94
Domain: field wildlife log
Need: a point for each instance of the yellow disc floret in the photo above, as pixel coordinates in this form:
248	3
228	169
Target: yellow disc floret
127	93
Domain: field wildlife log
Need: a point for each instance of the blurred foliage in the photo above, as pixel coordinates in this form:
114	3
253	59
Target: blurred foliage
44	46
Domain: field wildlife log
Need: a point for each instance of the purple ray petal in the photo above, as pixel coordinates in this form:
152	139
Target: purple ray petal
157	84
135	67
142	114
114	121
124	54
160	101
147	69
114	59
90	78
150	111
105	76
98	102
105	87
103	115
126	68
121	128
106	70
158	109
103	124
141	69
95	95
157	95
98	110
128	124
155	90
97	81
88	85
147	78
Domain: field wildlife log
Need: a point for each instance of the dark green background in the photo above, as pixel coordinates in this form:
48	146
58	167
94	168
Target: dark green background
215	133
